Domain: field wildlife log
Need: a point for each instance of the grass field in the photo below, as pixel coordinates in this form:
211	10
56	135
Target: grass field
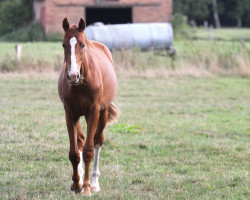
177	138
184	131
219	57
222	34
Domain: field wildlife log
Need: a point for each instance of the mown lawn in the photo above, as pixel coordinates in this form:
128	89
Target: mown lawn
177	138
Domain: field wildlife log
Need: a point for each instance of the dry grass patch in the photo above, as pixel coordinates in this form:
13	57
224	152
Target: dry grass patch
193	58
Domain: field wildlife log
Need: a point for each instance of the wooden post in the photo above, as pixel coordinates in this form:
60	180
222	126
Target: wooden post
18	48
205	24
211	36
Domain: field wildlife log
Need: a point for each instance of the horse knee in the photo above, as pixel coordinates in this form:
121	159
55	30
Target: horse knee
99	140
88	154
74	158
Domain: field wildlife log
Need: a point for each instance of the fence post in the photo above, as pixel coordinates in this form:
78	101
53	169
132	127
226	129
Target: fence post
211	35
18	48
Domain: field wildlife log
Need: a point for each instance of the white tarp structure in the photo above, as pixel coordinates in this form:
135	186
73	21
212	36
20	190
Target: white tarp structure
145	36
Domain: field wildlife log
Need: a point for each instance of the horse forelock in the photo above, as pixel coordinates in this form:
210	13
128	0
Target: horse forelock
73	32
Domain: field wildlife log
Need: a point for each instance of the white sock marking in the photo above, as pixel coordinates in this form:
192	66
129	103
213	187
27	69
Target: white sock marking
80	169
73	68
95	173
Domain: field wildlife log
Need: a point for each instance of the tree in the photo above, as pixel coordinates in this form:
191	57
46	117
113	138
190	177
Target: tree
246	13
236	10
225	12
195	10
13	15
215	14
30	4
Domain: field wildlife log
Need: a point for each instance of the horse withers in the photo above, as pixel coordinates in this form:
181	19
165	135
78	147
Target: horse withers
87	86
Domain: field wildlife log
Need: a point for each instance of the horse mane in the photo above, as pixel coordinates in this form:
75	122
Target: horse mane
86	40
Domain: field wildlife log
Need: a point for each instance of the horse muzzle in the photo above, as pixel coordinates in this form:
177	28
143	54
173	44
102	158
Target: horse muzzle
73	79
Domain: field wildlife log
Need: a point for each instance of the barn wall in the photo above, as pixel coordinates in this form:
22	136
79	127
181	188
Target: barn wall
56	14
142	11
153	13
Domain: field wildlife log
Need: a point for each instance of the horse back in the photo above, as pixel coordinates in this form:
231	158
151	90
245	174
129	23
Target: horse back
101	49
109	80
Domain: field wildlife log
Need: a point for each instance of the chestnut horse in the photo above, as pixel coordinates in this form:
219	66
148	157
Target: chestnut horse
87	85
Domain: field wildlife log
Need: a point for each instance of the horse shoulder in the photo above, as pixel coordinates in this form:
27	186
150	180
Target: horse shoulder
94	79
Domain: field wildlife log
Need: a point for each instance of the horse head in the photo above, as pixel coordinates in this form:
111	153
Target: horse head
74	44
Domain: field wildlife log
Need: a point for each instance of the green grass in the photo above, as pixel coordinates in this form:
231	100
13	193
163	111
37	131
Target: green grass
222	34
177	138
36	50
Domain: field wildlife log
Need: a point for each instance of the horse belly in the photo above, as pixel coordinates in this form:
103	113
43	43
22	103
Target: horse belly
109	79
109	85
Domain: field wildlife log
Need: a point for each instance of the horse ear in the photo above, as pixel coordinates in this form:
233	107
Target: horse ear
81	25
65	24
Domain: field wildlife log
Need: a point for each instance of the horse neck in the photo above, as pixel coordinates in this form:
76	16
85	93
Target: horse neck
84	64
84	67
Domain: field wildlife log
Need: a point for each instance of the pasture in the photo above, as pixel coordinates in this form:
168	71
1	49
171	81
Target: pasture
183	132
222	34
193	58
177	138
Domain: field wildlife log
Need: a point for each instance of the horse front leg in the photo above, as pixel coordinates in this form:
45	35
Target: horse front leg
74	154
80	144
92	121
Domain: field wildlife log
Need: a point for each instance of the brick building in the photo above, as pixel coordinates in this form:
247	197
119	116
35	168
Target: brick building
52	12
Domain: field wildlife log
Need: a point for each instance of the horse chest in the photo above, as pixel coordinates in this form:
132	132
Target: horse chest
79	102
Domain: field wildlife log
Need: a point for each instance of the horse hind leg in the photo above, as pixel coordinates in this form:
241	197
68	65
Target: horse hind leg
98	142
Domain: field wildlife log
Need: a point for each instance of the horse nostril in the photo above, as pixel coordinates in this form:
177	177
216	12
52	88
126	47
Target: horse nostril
68	76
73	77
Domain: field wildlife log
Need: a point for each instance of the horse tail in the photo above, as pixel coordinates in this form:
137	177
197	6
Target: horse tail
113	113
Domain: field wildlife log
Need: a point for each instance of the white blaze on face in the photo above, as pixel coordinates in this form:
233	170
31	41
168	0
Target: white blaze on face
73	68
95	174
80	169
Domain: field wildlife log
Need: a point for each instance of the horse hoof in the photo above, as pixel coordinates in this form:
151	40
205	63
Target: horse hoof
86	193
95	189
76	188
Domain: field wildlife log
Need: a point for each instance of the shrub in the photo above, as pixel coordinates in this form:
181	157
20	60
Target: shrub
54	37
179	21
13	15
11	64
180	26
31	32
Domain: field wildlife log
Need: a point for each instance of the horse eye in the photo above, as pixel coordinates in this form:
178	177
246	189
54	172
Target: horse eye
64	46
82	45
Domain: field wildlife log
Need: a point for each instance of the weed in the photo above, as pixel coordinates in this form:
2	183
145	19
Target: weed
126	128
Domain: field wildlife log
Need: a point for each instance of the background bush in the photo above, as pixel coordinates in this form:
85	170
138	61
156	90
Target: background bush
31	32
13	15
180	26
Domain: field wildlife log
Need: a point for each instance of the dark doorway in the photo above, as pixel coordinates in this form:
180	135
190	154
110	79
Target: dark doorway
109	15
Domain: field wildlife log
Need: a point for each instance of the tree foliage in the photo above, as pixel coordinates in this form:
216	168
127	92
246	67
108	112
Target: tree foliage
230	12
195	10
13	15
